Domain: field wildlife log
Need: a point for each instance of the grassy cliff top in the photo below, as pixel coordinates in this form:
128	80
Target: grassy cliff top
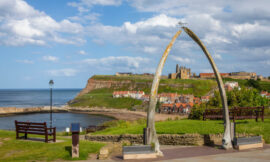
103	97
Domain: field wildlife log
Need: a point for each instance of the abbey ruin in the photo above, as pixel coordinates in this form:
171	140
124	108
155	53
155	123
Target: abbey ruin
181	73
185	73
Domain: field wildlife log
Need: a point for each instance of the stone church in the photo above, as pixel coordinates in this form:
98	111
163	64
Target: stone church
181	73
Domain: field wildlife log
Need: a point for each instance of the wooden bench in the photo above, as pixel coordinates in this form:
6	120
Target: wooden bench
213	114
248	113
236	113
35	128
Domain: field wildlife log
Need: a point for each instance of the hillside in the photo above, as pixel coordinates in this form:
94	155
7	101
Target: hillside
143	83
99	89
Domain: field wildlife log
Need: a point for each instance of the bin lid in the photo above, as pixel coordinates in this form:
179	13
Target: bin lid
75	127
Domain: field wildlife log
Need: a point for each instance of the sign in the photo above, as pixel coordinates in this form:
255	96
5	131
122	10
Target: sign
75	127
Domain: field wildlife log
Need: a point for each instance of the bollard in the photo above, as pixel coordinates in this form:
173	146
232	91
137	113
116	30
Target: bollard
146	134
232	130
75	130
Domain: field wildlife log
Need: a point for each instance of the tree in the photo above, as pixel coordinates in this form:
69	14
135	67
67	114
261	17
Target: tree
254	83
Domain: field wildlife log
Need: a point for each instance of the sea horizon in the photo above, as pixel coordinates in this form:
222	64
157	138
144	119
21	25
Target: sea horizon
22	98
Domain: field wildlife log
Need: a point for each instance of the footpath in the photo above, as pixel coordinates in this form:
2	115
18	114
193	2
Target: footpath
203	154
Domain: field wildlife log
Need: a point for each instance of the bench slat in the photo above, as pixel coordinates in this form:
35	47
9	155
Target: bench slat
30	126
31	123
39	133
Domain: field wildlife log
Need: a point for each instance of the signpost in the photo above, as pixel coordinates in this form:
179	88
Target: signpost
75	130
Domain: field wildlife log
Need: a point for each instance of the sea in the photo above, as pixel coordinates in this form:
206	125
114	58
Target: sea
24	98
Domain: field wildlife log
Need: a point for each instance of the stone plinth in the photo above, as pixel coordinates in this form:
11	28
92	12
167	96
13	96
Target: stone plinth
138	152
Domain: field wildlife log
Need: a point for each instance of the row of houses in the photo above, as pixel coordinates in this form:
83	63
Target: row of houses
132	94
170	102
265	94
176	108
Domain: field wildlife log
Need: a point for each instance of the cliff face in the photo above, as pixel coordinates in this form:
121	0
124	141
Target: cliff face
140	83
93	84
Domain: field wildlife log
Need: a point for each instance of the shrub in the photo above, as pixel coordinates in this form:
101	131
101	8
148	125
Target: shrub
197	111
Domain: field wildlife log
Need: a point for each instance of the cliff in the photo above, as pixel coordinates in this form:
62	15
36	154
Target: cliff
142	83
93	84
99	88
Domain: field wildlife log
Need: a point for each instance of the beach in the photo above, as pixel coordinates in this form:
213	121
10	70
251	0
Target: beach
119	114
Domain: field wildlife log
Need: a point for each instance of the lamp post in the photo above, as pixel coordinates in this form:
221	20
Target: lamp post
51	85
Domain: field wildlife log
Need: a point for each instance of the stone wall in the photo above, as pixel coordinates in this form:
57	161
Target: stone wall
164	139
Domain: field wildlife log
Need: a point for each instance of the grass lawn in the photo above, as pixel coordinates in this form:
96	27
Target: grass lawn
103	98
20	150
189	126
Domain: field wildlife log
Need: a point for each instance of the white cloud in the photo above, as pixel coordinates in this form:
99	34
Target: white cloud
217	56
22	24
50	58
239	29
63	72
85	5
150	49
148	36
181	59
120	63
25	61
84	19
82	52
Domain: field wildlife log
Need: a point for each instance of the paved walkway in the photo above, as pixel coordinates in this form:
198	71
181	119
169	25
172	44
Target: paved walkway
206	154
202	154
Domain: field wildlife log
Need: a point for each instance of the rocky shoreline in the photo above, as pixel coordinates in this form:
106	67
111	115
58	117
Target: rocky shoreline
119	114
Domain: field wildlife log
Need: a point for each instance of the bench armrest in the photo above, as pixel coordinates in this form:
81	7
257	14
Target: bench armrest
54	129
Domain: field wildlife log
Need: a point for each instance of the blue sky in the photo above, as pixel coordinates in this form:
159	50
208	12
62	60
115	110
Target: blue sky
71	40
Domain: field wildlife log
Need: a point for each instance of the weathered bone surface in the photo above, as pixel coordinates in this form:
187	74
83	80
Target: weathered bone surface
153	101
226	141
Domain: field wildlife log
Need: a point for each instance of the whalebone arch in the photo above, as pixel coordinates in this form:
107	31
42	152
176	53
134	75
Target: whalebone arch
152	136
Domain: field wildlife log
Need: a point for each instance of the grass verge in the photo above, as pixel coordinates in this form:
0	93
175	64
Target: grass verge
188	126
21	150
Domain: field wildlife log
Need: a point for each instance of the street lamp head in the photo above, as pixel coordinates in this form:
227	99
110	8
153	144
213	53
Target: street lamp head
51	83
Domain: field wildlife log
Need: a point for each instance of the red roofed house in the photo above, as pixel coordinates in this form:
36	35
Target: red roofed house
167	97
197	100
205	98
176	108
265	94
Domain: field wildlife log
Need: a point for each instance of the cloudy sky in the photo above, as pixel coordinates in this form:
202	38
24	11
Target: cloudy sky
71	40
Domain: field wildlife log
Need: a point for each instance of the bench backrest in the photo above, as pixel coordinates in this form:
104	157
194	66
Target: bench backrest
30	126
237	111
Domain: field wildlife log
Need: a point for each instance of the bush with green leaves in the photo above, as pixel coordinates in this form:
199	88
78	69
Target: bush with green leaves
246	97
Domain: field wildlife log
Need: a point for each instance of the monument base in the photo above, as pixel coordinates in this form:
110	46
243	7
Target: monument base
244	143
249	146
138	152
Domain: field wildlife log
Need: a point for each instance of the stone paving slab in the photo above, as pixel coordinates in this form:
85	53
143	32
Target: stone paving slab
202	153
